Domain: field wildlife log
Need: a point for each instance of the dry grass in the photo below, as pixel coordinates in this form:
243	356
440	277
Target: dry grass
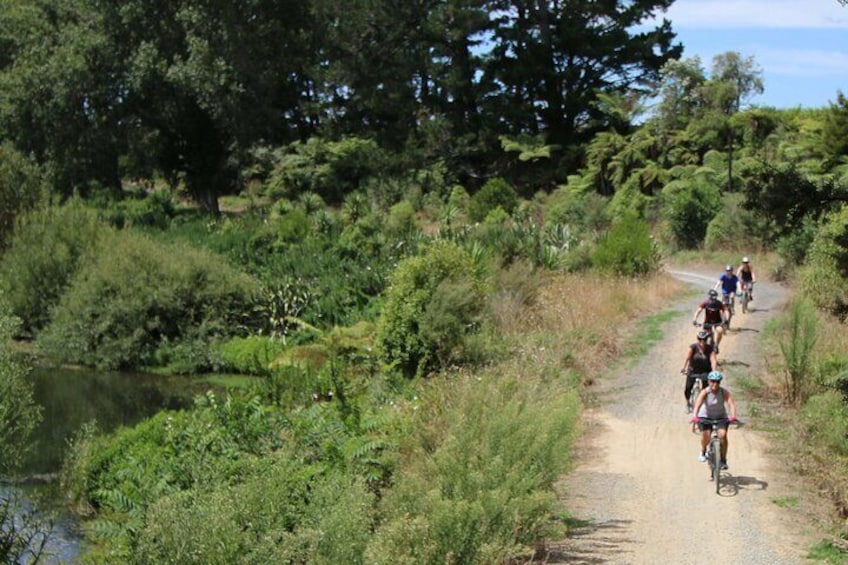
581	322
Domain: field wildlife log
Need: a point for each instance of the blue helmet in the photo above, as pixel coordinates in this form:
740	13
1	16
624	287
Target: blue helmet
715	376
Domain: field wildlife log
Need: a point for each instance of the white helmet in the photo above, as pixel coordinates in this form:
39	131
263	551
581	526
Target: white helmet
745	260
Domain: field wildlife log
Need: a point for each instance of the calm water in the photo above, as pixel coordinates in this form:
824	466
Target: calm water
72	397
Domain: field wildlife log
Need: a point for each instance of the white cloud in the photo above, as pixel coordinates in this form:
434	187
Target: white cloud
803	62
717	14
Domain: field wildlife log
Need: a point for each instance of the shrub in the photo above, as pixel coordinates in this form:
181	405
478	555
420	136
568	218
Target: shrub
250	355
688	207
405	340
135	296
485	493
496	192
627	249
47	249
22	187
824	277
401	220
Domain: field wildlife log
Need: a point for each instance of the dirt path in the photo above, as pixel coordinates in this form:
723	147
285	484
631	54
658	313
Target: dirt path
636	505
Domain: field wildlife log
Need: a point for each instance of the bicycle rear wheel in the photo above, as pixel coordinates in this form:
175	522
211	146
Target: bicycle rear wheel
715	461
696	390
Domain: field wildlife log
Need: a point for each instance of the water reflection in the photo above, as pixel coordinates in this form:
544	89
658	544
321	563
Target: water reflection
72	397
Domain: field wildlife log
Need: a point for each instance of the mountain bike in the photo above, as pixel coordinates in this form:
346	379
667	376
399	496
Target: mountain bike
699	383
714	448
729	299
745	296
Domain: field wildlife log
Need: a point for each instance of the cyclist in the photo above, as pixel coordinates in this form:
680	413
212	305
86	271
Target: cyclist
715	316
700	360
746	277
728	281
713	403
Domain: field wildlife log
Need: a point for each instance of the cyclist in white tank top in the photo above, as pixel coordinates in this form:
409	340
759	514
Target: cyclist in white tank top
713	404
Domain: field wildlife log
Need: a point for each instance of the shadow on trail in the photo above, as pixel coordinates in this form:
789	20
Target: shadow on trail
589	542
731	485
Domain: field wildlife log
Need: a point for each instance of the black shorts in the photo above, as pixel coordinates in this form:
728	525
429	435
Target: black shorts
706	426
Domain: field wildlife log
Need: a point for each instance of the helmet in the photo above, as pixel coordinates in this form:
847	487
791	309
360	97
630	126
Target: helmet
745	260
713	293
715	376
728	268
703	335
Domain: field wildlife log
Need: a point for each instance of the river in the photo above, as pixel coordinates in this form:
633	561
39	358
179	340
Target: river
71	398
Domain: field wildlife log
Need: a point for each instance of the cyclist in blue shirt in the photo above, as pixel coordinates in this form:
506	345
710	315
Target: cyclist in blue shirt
728	281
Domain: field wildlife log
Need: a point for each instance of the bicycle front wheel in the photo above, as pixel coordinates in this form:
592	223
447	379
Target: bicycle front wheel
715	462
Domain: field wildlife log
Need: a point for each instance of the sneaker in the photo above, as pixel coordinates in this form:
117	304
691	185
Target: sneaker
716	349
702	457
724	465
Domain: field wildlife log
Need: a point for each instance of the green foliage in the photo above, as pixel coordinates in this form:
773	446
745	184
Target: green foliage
627	249
484	494
47	249
19	413
250	355
136	296
331	169
22	187
797	340
733	228
495	193
285	511
408	343
401	220
824	277
688	207
151	210
825	418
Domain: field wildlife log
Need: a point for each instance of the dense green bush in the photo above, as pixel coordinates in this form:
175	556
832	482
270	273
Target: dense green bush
688	207
136	296
19	414
734	228
22	187
485	493
412	334
250	355
48	247
627	249
824	277
495	193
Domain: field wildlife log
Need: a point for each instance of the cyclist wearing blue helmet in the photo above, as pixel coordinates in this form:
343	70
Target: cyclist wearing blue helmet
713	403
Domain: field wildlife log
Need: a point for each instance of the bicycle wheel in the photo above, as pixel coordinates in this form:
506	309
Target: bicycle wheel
744	301
715	461
696	390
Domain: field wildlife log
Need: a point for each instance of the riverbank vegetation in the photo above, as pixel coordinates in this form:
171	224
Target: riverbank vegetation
420	256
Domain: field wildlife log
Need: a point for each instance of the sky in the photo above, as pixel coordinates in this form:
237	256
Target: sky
800	45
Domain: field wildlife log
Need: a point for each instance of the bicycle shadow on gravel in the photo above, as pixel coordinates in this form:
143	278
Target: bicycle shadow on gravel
731	485
588	542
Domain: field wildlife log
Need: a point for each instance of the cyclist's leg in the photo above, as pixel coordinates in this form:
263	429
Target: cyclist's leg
687	388
722	435
719	332
705	437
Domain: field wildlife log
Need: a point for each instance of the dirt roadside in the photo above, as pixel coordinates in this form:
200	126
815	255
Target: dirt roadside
638	493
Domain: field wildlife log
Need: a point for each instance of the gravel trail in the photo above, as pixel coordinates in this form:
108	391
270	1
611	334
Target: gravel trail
639	494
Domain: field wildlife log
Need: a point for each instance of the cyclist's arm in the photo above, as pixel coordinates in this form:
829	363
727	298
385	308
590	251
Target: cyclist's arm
687	360
699	401
698	311
728	398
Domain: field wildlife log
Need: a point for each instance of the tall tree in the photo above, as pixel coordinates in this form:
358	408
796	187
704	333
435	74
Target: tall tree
553	57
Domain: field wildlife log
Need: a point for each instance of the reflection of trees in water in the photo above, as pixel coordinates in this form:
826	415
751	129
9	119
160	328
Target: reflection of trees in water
72	397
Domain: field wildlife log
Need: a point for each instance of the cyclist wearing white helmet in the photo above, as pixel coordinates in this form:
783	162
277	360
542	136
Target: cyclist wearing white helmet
713	403
746	276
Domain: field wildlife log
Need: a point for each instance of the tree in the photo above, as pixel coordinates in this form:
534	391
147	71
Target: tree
189	85
733	81
553	58
834	135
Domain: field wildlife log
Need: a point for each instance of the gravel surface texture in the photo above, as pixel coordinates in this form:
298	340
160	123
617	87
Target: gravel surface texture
638	493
